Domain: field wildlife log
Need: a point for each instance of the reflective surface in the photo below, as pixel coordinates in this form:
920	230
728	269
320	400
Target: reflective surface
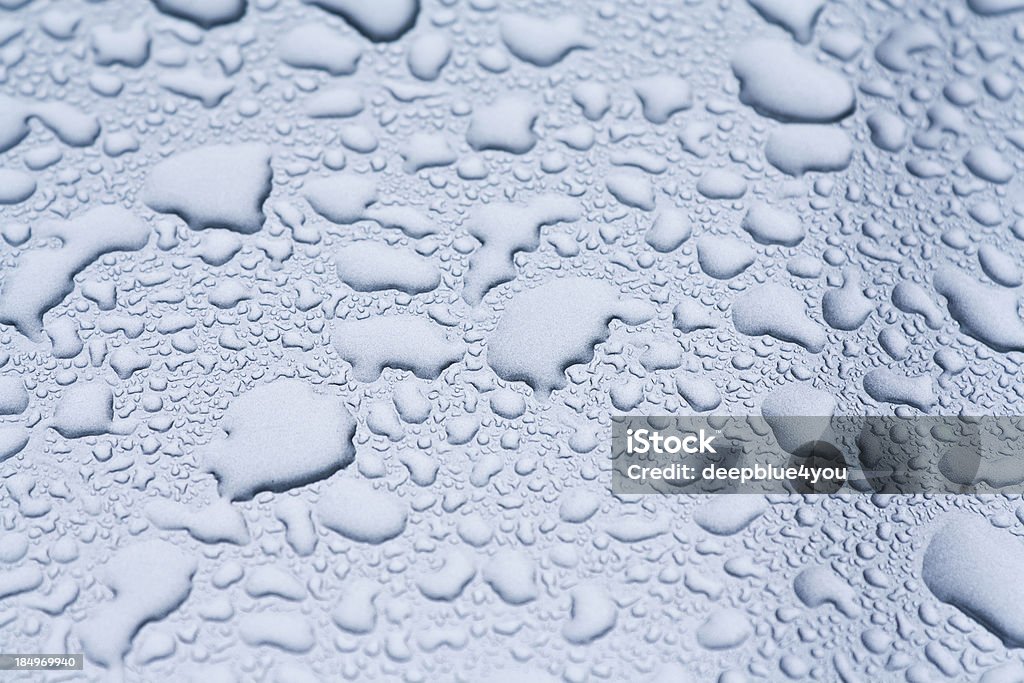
314	316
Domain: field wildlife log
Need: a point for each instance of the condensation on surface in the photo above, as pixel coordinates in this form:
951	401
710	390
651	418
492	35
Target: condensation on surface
313	314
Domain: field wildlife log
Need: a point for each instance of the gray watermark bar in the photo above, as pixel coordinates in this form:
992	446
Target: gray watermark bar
669	454
41	662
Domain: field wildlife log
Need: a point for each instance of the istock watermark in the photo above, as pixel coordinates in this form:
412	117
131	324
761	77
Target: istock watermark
817	454
652	441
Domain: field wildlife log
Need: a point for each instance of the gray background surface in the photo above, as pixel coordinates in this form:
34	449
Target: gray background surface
314	315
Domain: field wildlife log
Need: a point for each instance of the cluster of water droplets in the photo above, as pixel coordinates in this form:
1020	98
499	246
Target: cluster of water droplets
313	313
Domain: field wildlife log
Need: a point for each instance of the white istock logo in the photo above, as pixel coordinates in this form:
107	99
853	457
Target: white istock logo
651	441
